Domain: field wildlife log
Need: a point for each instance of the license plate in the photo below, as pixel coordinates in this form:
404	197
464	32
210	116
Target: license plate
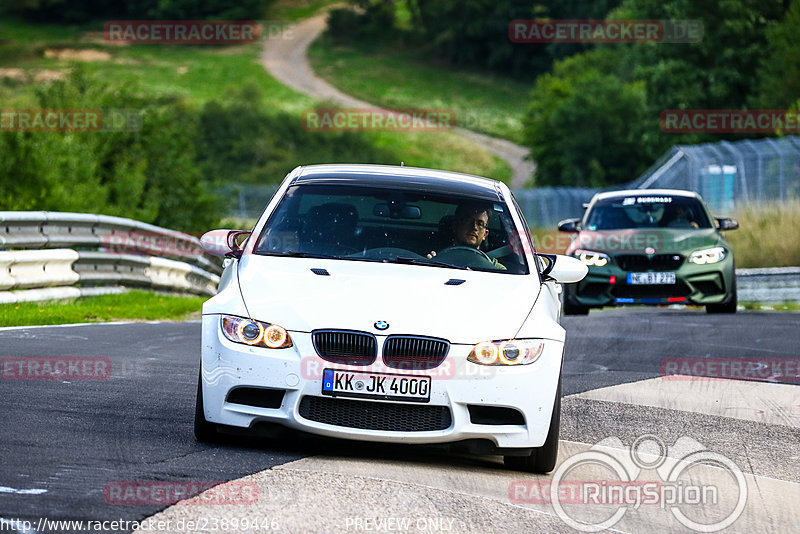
651	278
340	383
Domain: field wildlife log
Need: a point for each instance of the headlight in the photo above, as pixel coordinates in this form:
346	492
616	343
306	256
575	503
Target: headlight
254	333
708	255
589	257
509	352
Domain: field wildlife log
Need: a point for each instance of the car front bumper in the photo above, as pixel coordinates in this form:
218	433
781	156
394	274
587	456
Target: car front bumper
695	284
457	386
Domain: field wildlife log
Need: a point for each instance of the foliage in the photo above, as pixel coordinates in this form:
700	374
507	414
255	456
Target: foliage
578	113
80	11
147	174
779	73
594	119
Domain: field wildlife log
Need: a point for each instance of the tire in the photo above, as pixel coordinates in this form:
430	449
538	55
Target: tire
542	459
572	309
203	430
726	307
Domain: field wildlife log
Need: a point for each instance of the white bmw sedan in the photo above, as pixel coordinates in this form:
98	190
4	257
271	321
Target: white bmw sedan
389	304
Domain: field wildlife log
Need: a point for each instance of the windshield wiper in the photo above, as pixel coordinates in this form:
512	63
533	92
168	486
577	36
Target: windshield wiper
425	261
296	254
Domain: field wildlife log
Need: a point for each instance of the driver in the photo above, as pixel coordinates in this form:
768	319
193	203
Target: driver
470	227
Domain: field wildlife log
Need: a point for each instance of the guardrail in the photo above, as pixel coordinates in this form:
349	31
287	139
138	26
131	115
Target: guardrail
102	254
776	284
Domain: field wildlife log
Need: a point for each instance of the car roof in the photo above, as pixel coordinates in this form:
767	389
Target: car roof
397	177
646	192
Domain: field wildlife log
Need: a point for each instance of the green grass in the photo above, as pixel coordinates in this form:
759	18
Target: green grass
203	73
771	306
395	77
134	305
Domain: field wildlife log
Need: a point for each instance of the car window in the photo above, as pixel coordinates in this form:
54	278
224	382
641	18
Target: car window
643	211
375	224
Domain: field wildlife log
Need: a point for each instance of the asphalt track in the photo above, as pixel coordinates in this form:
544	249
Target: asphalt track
64	441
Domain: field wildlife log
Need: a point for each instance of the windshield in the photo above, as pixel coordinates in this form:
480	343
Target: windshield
647	212
395	226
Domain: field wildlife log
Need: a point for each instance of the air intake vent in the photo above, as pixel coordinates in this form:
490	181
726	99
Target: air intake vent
454	282
375	415
345	347
321	272
258	397
414	352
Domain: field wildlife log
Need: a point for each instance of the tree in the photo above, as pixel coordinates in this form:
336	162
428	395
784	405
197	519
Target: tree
585	124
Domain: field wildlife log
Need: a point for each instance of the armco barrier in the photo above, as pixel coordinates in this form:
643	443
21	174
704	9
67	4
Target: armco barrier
777	284
161	258
23	269
47	229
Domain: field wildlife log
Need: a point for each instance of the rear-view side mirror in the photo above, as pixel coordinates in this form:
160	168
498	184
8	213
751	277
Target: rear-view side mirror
562	269
228	243
726	223
569	225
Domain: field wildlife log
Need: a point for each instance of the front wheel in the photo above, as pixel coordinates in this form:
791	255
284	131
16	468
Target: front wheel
542	459
203	430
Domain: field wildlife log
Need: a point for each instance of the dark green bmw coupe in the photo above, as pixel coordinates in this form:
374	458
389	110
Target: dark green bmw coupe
651	246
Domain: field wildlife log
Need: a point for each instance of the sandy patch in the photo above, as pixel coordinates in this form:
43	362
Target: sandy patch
70	54
44	76
14	74
100	38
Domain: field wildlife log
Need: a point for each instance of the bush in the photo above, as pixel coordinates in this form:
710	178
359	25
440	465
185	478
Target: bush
369	21
585	125
149	175
81	11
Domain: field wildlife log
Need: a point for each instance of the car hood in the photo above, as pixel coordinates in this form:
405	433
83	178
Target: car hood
638	241
413	299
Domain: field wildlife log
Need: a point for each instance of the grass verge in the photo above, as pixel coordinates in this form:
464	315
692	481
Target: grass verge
134	305
403	78
767	235
771	306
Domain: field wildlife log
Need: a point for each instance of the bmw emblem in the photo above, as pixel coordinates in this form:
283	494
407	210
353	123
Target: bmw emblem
381	325
650	250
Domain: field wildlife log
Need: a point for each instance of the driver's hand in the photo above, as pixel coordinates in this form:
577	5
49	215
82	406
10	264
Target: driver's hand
431	254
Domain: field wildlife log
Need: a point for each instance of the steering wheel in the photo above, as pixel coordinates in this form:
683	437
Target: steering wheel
467	256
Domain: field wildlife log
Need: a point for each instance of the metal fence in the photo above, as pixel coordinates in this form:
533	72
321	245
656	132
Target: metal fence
726	174
730	174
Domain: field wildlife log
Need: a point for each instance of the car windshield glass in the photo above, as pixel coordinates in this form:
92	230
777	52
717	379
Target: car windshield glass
363	223
647	212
